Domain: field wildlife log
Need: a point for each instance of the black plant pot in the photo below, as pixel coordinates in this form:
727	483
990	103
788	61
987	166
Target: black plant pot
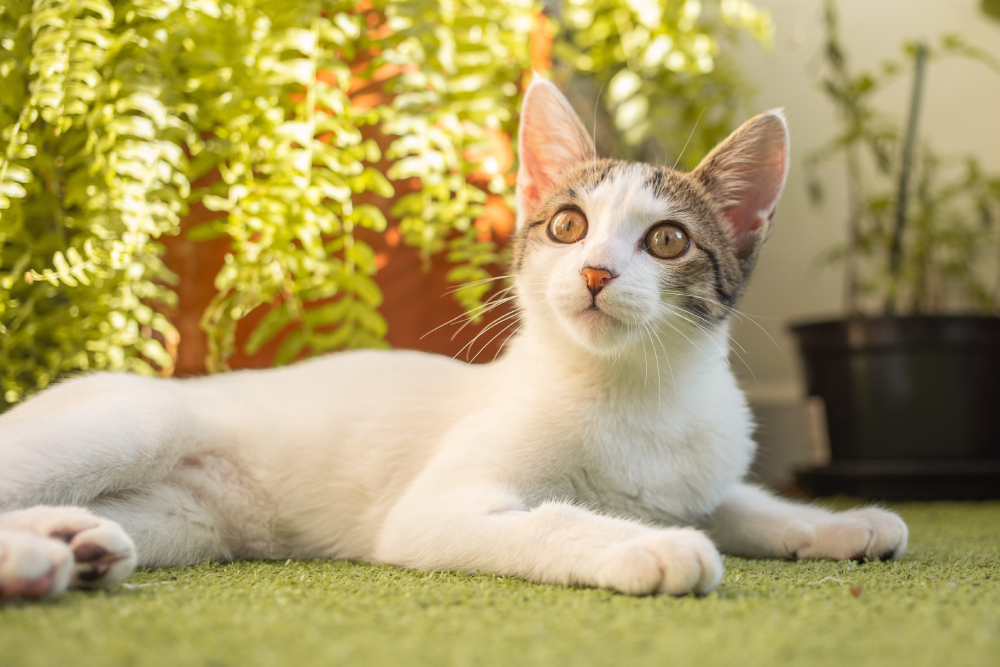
912	406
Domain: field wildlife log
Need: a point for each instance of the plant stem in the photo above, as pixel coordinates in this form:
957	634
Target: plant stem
856	205
896	257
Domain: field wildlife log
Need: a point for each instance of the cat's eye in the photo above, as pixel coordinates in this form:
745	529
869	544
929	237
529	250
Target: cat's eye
666	241
568	226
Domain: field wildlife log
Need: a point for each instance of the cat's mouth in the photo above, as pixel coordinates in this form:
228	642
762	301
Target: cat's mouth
597	315
597	329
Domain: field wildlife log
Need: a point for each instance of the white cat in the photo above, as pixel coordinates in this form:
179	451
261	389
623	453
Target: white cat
609	427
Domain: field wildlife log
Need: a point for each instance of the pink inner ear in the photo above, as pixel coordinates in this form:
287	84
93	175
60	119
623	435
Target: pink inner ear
745	175
758	194
541	158
551	142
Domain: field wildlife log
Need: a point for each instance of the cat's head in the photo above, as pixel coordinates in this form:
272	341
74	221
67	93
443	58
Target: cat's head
609	252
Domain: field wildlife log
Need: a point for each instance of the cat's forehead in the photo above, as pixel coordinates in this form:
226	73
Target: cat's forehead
621	196
630	196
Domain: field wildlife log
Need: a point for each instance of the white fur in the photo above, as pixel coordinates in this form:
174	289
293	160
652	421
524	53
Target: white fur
579	457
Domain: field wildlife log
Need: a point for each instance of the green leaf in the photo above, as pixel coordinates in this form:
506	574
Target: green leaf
366	289
270	326
331	340
291	347
371	320
204	232
328	313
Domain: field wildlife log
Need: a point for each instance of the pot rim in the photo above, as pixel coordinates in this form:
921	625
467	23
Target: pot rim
860	333
873	319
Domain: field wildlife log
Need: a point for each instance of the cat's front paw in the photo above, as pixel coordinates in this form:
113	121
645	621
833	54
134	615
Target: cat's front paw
854	535
677	561
103	555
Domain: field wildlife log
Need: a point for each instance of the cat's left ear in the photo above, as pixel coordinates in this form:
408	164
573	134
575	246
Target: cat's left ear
551	141
745	175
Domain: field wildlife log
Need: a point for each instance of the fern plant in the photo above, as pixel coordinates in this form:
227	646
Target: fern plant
111	109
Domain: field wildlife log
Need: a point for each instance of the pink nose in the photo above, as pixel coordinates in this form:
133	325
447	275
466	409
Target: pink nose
596	279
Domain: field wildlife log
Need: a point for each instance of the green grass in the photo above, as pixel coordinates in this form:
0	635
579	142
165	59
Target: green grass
939	605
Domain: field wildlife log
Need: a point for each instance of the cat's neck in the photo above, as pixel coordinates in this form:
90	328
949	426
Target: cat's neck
652	366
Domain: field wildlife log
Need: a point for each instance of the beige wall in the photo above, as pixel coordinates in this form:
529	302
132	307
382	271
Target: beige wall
961	112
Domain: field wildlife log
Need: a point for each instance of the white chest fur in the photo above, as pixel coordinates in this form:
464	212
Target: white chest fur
664	449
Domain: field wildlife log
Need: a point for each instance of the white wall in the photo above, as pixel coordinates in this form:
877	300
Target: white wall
960	113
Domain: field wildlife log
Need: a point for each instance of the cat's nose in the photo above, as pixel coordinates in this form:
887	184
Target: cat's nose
596	279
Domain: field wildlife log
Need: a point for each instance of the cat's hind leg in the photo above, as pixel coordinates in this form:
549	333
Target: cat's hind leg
168	524
45	550
33	567
752	522
90	436
116	445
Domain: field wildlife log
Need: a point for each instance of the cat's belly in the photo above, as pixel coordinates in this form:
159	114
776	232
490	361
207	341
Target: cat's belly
332	443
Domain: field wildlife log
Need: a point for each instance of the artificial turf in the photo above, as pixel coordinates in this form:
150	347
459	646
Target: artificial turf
939	605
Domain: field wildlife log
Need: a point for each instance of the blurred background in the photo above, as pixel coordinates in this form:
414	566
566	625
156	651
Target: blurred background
191	186
791	282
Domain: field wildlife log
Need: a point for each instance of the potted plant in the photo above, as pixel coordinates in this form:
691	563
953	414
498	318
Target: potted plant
911	376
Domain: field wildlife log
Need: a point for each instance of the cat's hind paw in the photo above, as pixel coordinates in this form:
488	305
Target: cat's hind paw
677	561
854	535
33	567
103	555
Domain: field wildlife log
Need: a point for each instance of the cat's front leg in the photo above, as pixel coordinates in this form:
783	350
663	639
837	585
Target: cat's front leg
752	522
482	528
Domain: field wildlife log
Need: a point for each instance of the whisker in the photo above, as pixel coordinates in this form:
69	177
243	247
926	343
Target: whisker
709	324
696	325
492	307
455	288
503	345
673	380
709	334
498	321
671	325
656	359
621	365
680	313
490	341
740	315
486	307
690	136
644	359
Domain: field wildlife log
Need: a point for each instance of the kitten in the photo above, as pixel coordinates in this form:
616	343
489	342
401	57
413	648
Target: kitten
593	452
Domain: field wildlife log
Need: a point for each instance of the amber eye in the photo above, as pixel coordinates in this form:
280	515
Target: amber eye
568	226
666	241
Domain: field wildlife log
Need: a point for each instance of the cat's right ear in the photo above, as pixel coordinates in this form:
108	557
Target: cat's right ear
551	141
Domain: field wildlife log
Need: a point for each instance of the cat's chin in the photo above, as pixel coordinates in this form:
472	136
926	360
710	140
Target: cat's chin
597	330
